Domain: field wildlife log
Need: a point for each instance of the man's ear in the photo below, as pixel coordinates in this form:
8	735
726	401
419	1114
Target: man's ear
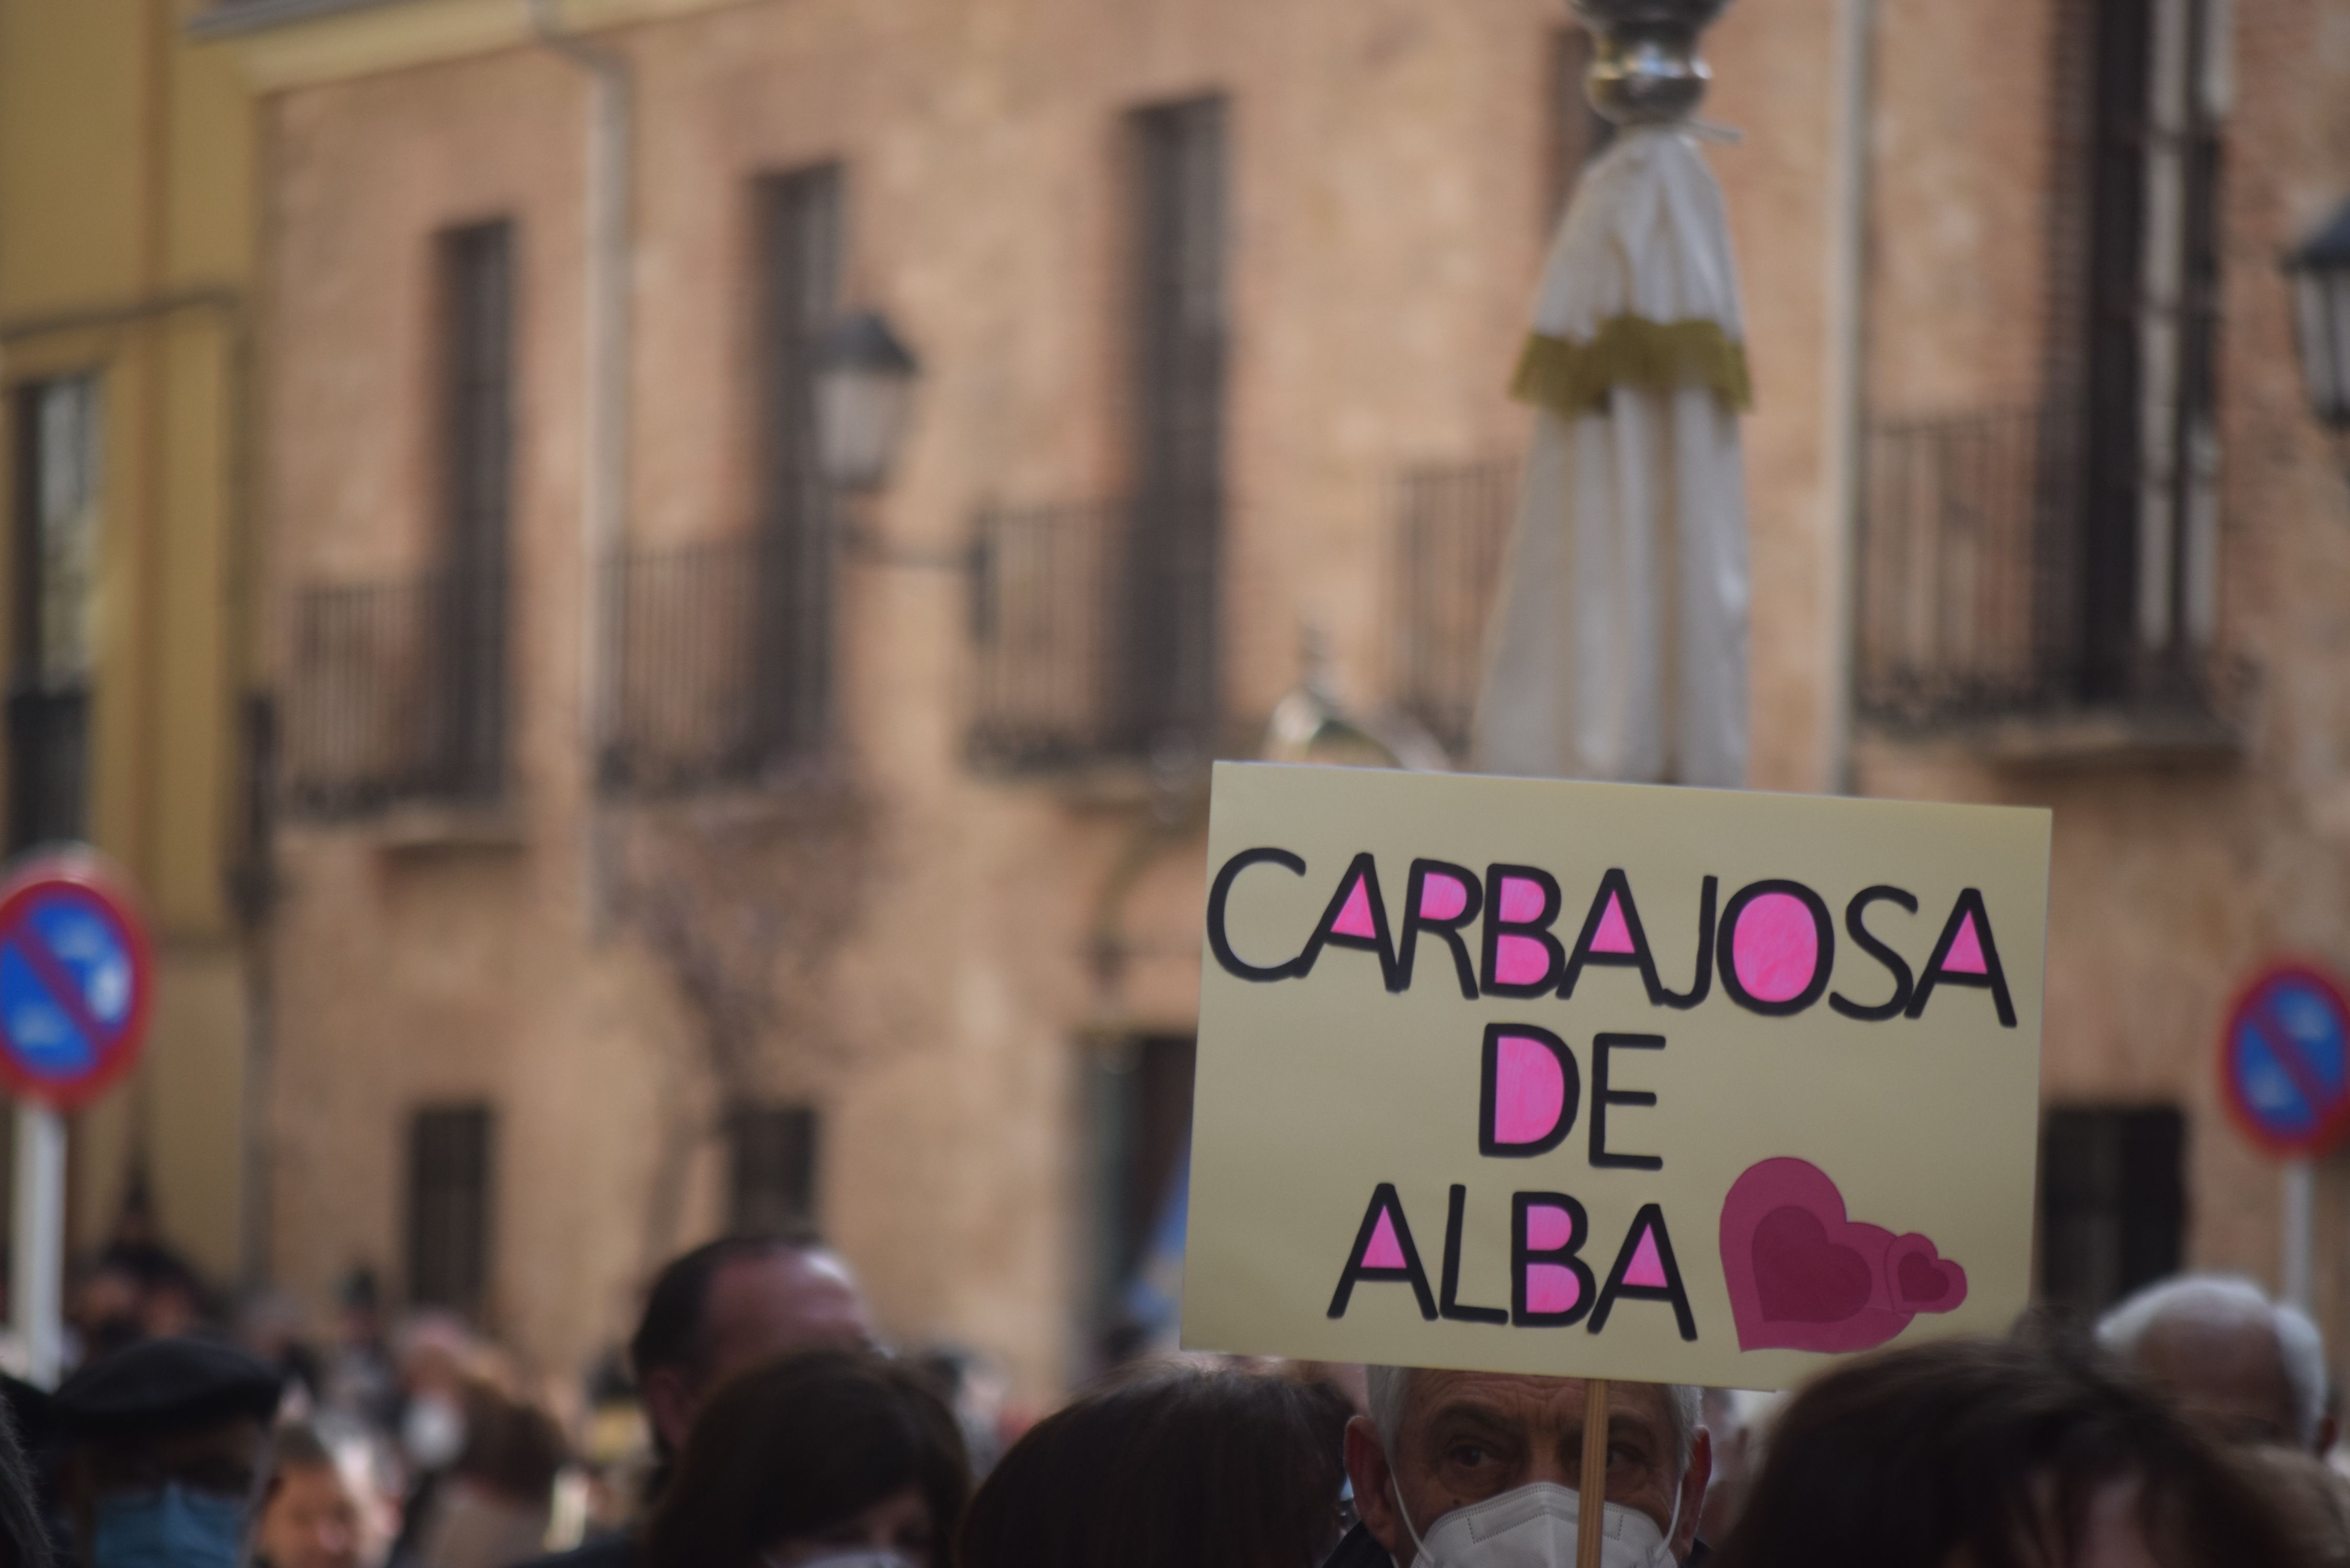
1374	1483
1693	1495
670	1406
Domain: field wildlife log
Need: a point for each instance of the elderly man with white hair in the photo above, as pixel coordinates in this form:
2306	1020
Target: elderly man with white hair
2249	1369
1479	1469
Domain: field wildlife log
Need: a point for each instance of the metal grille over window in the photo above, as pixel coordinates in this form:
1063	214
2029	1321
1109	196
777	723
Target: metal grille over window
449	1174
772	1182
57	460
2113	1203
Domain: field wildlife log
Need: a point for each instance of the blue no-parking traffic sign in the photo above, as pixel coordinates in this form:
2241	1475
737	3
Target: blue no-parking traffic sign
76	979
2284	1061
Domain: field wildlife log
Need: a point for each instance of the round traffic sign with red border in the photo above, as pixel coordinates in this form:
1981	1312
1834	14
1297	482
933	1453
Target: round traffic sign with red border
2284	1060
76	979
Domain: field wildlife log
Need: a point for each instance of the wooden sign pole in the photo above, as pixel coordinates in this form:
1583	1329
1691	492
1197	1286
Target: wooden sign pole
1591	1502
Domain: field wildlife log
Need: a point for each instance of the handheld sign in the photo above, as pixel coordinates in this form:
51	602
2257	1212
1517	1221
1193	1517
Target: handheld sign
76	980
1607	1080
2284	1061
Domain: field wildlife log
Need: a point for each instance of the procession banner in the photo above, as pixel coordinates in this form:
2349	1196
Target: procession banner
1609	1080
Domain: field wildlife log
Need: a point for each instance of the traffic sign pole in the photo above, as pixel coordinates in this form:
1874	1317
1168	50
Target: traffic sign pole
77	984
2300	1231
2284	1074
38	1243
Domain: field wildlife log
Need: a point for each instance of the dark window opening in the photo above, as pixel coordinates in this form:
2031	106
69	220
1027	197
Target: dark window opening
1170	672
800	246
1142	1127
477	266
2113	1203
2138	584
449	1175
772	1170
57	526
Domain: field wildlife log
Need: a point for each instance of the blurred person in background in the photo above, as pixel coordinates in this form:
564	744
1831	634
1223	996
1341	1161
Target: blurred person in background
724	1307
1733	1421
2247	1369
270	1325
317	1511
833	1458
1171	1466
1967	1453
2317	1502
1463	1469
491	1507
163	1442
361	1381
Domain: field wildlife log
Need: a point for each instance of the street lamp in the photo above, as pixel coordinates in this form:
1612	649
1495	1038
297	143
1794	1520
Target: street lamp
2320	271
864	395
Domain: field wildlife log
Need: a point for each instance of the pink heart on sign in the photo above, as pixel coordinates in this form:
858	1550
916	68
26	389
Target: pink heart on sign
1803	1275
1922	1279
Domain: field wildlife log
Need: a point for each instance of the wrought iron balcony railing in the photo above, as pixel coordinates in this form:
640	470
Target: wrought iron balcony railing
396	692
1452	524
710	686
1974	601
1094	632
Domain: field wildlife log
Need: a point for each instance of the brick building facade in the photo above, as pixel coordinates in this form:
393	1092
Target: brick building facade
805	857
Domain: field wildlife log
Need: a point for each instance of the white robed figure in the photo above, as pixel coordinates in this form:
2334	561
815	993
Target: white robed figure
1618	646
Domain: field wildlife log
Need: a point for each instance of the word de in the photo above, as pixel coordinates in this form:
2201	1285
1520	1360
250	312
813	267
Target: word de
1551	1285
1771	943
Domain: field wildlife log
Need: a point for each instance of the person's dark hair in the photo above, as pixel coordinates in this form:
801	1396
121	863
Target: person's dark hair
295	1445
23	1534
670	1334
1907	1458
1170	1467
511	1446
799	1445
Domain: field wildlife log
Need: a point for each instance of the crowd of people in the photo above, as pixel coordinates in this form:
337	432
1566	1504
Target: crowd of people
2190	1430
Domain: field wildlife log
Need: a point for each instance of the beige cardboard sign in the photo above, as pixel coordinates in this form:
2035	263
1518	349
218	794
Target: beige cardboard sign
1607	1080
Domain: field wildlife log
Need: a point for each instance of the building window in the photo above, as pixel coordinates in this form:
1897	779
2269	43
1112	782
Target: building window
2052	557
448	1172
477	270
800	262
772	1175
2113	1202
57	454
1168	673
1574	132
1141	1112
2147	454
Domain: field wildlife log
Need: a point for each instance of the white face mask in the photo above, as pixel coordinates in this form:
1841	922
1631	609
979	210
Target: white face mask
432	1431
1534	1527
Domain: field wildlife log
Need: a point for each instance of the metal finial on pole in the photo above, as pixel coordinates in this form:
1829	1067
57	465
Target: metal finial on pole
1645	69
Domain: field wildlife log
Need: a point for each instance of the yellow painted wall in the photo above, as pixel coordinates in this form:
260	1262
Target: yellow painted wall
126	239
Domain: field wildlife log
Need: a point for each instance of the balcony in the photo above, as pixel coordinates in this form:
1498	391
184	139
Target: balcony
1977	616
397	694
1451	525
720	669
1094	629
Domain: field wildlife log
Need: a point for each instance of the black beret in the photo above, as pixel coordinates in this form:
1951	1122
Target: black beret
166	1385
